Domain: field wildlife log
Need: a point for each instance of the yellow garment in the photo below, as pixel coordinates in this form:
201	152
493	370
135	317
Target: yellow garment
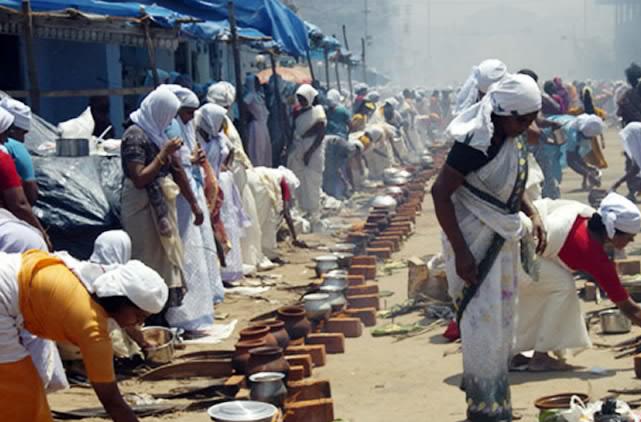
358	122
55	305
596	157
22	395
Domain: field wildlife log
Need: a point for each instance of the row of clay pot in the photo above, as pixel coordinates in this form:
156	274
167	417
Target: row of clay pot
261	346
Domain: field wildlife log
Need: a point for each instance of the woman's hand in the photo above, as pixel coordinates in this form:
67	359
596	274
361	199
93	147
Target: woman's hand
538	230
170	148
198	157
466	267
199	217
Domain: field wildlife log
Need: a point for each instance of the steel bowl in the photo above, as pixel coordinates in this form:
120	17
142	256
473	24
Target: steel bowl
384	202
242	411
325	264
268	387
336	281
163	346
614	322
72	147
336	297
343	247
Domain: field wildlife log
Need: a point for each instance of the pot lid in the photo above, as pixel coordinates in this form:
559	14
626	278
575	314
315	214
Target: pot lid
242	411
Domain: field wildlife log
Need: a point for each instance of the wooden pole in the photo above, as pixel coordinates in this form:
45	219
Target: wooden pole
311	66
326	59
34	87
237	73
349	64
364	60
151	52
338	76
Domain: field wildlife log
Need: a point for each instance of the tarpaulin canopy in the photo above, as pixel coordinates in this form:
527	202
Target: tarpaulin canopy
270	17
162	16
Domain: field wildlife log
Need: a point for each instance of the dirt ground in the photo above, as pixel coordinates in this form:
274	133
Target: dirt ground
382	379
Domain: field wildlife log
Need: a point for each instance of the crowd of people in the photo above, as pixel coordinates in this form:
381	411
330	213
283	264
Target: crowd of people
200	208
203	206
511	245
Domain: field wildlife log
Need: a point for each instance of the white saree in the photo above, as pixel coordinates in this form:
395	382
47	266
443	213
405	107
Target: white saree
487	322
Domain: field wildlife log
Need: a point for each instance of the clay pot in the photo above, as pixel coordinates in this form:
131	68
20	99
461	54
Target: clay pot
258	332
241	354
267	359
277	329
296	323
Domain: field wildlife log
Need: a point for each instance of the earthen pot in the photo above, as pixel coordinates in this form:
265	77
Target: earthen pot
258	332
241	354
277	329
296	323
267	359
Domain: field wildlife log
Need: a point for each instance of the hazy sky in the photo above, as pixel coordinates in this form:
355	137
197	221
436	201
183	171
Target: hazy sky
571	38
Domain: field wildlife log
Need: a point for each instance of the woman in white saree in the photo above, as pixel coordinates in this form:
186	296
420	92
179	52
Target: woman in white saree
307	154
477	199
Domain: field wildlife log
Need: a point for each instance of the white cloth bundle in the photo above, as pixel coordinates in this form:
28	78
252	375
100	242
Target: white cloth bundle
589	125
482	77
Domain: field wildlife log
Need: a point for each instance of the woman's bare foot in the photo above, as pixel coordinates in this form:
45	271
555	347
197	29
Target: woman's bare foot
542	362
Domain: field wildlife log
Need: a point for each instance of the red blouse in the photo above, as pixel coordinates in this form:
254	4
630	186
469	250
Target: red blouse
582	253
9	178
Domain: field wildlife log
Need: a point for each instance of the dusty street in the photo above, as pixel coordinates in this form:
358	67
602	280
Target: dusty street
382	379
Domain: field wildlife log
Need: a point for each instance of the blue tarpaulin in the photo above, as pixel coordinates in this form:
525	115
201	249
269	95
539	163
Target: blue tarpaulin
162	16
270	17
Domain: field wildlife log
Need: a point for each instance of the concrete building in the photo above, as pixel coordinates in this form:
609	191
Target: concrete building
627	18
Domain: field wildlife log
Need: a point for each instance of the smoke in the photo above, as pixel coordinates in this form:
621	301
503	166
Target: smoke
435	43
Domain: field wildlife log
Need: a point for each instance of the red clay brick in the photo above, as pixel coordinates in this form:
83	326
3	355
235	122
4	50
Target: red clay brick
334	342
350	327
366	315
316	352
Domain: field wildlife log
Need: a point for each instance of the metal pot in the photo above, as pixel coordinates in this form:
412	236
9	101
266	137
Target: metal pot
325	264
268	387
344	259
343	247
614	322
163	341
72	147
336	280
336	297
242	411
384	202
317	306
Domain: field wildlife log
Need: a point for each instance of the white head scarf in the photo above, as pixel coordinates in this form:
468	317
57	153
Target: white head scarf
619	213
513	95
375	133
222	93
6	120
631	137
20	111
134	280
589	125
373	97
186	96
334	97
112	247
292	181
156	112
308	92
210	117
393	102
361	89
480	80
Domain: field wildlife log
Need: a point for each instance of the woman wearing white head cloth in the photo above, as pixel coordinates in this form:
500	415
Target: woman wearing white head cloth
579	240
15	145
489	72
306	156
477	198
149	193
631	137
230	220
274	190
71	301
201	267
224	95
